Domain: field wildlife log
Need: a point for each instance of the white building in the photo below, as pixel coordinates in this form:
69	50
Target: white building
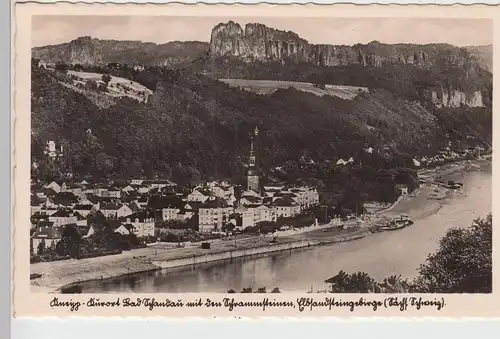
50	236
286	207
52	151
63	217
253	215
199	195
111	193
84	210
213	214
116	211
54	186
143	225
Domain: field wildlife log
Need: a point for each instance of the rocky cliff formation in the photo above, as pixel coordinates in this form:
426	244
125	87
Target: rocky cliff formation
454	98
88	51
484	54
258	42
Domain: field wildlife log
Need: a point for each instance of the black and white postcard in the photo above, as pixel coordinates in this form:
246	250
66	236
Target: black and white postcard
248	160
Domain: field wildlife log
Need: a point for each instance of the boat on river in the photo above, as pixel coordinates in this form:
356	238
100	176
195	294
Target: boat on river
398	223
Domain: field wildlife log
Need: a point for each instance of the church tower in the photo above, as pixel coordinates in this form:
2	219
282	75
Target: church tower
253	169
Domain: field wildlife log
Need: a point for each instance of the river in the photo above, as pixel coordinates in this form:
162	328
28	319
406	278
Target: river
389	253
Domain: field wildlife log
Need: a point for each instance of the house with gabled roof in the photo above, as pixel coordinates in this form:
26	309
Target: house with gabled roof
256	214
49	192
128	189
125	229
250	200
111	193
84	200
287	194
84	183
168	206
142	189
128	197
96	189
199	194
49	236
143	223
222	191
115	211
190	209
81	220
63	217
54	186
286	207
73	188
172	213
48	210
41	192
65	199
92	199
250	193
192	206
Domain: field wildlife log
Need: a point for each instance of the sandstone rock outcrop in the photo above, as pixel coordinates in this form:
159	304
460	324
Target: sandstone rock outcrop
89	51
259	42
454	98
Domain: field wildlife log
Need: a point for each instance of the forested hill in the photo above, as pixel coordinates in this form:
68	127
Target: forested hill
405	80
197	128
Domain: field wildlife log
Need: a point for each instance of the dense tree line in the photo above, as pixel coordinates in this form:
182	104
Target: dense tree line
195	128
405	80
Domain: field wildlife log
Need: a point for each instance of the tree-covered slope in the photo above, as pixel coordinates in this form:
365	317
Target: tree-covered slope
195	127
405	80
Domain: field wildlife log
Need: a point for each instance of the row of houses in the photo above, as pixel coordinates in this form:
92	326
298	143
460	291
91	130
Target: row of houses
271	203
138	204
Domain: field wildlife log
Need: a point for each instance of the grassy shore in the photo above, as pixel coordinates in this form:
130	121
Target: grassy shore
59	273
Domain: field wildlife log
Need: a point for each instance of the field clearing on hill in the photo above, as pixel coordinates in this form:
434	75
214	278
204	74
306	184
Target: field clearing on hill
117	85
266	87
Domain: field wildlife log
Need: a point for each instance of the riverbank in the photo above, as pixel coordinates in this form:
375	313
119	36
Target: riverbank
56	275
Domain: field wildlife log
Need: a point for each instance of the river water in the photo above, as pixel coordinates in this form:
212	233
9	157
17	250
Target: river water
389	253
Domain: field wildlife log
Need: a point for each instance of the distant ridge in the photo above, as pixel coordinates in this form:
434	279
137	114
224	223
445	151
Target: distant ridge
257	42
91	51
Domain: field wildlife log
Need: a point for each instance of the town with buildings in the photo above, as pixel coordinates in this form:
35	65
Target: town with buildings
138	206
150	208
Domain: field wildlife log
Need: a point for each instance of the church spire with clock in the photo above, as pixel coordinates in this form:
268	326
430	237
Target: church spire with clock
253	169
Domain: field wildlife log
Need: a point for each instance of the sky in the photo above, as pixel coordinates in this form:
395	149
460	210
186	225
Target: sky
51	30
